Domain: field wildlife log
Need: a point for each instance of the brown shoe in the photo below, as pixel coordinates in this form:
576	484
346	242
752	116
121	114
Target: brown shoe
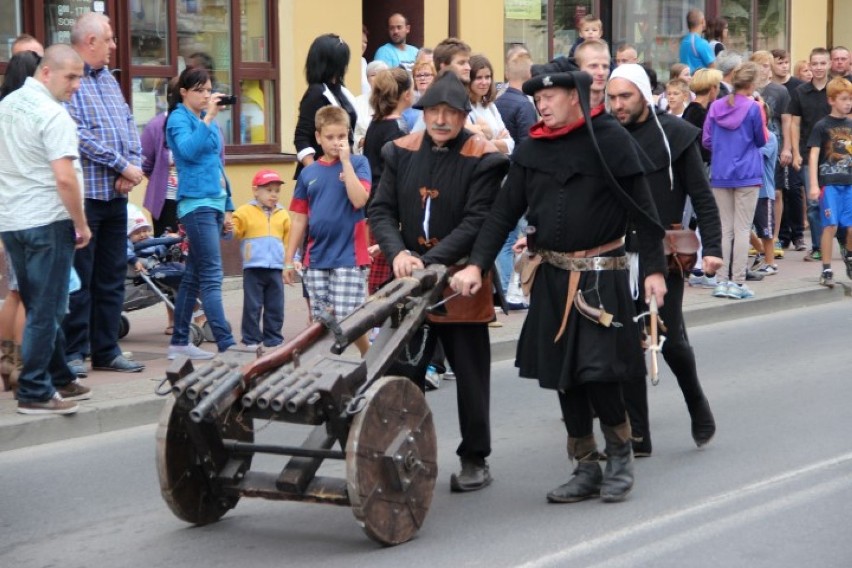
54	405
74	391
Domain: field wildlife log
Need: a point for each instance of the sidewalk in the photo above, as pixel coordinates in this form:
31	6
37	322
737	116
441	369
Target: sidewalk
124	400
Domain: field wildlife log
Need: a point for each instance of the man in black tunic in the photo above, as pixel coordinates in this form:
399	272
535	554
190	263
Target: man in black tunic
436	191
580	220
676	171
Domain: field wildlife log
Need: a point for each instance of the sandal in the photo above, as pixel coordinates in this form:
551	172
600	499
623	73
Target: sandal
170	330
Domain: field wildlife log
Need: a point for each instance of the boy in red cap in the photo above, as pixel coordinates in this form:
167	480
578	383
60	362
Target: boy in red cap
264	227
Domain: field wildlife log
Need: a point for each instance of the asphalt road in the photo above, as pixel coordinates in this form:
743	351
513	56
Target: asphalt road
772	490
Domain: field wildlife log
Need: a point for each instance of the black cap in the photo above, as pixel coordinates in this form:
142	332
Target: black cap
568	80
447	89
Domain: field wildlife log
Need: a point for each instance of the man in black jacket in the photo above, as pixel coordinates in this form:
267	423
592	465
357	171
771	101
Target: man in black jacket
436	191
675	172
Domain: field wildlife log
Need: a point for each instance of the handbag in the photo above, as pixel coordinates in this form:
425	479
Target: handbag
478	308
681	248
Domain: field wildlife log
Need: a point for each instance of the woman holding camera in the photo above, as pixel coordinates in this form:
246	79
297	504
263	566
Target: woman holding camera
204	206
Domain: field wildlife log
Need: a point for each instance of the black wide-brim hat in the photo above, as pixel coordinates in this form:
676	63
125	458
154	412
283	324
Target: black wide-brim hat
447	89
579	80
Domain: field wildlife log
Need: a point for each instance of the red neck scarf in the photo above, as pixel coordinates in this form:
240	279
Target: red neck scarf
539	130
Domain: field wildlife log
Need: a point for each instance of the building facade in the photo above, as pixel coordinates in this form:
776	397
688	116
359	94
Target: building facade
258	47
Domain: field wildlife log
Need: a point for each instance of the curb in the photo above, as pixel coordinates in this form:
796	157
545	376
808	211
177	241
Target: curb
108	416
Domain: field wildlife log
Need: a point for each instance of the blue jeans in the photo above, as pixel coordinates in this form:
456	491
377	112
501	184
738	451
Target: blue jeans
91	325
42	260
814	216
203	277
263	299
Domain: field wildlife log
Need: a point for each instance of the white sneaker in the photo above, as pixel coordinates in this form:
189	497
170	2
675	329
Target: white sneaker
703	281
190	351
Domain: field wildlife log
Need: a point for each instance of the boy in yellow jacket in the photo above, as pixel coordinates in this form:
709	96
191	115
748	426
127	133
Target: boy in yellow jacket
264	227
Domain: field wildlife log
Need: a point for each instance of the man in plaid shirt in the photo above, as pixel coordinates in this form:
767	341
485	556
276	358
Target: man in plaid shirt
110	154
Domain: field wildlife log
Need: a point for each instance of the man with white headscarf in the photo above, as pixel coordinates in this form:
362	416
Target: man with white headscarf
676	172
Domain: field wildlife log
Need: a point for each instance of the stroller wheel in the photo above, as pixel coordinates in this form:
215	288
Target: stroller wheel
196	334
123	326
208	331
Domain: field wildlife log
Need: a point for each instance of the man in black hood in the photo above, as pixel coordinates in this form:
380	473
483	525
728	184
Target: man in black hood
436	192
675	171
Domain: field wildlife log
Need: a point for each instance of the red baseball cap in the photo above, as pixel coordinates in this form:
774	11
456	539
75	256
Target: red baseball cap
265	177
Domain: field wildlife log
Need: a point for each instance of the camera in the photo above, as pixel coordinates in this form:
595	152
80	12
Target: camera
228	100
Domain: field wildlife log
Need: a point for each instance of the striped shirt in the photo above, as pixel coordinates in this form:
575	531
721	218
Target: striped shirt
109	140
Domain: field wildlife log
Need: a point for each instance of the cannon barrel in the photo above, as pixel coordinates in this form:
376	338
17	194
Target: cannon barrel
195	390
265	399
218	392
263	386
180	386
381	305
307	395
279	401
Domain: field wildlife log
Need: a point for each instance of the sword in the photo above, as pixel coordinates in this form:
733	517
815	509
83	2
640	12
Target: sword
654	347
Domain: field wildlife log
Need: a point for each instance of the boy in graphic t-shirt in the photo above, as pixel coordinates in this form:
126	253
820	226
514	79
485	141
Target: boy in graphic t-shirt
830	164
328	202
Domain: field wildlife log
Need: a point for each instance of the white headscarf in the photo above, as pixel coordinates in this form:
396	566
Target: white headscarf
637	75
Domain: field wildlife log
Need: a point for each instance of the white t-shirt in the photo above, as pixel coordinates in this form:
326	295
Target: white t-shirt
35	129
491	116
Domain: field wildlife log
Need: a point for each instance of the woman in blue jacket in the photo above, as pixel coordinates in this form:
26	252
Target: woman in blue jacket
734	132
204	207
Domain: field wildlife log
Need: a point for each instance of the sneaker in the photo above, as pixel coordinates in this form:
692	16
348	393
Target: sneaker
433	378
813	256
53	405
752	251
848	261
189	351
739	291
721	290
754	276
827	279
703	281
78	367
449	375
779	250
74	391
758	260
783	244
767	269
120	364
799	245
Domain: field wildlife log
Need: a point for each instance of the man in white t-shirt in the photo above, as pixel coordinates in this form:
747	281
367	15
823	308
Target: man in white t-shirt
41	209
397	53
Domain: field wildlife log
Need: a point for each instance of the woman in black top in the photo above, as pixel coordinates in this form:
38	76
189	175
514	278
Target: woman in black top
392	93
325	67
705	85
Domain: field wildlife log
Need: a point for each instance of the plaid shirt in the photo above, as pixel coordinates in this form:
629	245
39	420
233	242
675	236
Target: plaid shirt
109	140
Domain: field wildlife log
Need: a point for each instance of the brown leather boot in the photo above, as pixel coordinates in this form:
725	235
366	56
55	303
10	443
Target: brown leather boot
585	482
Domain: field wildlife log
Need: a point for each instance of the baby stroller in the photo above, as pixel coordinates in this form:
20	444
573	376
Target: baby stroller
158	283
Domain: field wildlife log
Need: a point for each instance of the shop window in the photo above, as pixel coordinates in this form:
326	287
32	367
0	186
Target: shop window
230	37
738	14
655	28
771	24
525	22
567	15
10	28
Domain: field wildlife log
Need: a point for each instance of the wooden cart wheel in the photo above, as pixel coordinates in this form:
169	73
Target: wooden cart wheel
183	485
391	461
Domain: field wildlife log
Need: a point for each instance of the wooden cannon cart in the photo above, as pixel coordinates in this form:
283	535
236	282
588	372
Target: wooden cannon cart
380	425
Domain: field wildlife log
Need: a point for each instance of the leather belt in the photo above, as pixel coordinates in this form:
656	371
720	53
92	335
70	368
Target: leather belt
582	261
583	264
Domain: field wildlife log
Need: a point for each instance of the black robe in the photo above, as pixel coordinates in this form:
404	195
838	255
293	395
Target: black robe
461	179
688	173
562	183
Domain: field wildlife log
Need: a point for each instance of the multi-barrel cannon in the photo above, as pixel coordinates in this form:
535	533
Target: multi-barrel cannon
379	425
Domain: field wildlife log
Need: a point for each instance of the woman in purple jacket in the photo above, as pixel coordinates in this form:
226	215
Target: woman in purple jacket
734	133
158	164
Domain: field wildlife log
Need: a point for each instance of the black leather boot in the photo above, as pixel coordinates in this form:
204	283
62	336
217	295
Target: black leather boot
474	475
618	474
585	482
703	423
